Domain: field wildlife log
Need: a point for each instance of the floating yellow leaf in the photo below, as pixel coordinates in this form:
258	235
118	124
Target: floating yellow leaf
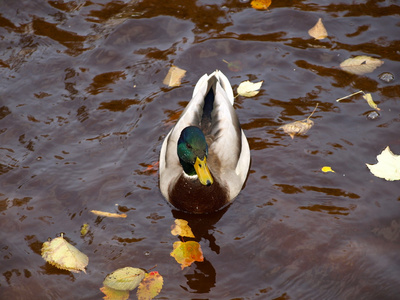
260	4
185	253
63	255
318	31
249	89
370	101
388	166
360	65
124	279
111	294
327	169
181	228
174	76
366	96
150	286
107	214
84	229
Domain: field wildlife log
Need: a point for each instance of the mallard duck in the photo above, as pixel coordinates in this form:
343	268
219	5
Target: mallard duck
205	158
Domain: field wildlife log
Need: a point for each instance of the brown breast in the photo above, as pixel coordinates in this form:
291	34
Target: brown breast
191	196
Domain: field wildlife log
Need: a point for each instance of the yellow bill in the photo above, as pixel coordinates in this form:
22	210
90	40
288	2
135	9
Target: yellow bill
203	172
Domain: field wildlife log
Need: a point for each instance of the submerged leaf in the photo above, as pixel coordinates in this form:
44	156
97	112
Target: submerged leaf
185	253
181	228
112	294
124	279
234	66
388	166
63	255
150	286
174	76
249	89
318	31
370	101
260	4
360	65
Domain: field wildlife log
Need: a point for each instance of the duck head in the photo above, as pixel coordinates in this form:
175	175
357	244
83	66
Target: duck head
192	153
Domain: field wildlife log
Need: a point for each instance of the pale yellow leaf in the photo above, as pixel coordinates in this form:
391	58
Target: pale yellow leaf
361	64
181	228
174	76
107	214
249	89
388	166
370	101
63	255
124	279
112	294
297	127
318	31
327	169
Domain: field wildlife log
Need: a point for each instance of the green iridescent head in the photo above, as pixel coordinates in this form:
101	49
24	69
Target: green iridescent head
192	153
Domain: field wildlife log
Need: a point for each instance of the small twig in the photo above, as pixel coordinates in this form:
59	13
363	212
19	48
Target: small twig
313	111
151	268
348	96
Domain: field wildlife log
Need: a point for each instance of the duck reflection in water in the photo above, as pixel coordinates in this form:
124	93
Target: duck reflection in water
203	278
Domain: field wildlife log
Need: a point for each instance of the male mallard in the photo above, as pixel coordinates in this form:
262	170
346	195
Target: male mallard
205	158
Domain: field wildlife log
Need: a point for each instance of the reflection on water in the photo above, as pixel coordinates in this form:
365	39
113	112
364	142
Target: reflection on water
83	112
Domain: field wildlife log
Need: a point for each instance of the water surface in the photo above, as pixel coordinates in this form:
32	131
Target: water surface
83	112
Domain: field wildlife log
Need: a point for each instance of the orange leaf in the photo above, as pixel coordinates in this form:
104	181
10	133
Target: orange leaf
181	228
185	253
260	4
150	286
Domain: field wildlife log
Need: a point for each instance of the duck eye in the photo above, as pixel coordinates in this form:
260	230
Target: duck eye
188	145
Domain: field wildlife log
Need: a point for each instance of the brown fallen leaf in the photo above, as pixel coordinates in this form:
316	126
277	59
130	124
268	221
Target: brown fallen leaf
318	31
360	65
174	76
298	127
107	214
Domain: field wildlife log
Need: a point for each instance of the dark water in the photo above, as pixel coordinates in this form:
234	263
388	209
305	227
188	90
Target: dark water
83	112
